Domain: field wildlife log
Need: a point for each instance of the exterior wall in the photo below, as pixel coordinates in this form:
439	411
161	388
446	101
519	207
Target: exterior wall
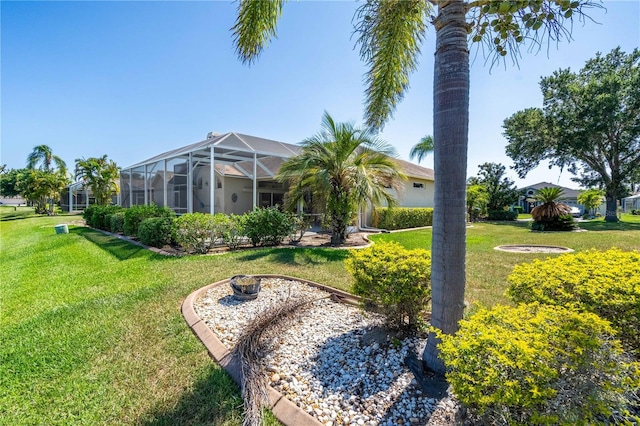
414	196
243	188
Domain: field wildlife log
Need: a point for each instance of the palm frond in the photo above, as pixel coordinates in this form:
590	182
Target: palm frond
390	36
255	27
422	148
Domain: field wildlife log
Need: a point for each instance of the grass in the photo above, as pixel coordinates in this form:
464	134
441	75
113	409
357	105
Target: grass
487	269
92	333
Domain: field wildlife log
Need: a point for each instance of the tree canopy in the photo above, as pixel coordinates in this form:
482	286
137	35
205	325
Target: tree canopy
501	191
589	124
100	175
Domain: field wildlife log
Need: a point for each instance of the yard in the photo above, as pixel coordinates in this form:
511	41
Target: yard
92	333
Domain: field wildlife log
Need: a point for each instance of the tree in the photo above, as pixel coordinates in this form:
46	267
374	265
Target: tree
501	191
343	167
589	124
43	155
42	188
476	201
100	175
591	199
550	209
390	35
9	182
422	148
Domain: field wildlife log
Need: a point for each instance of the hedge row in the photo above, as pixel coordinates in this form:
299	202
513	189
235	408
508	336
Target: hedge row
402	217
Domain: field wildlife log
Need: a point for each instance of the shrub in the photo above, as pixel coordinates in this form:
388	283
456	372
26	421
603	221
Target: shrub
267	227
300	224
518	209
635	212
396	280
538	364
502	215
136	214
117	222
155	231
605	283
194	231
563	222
101	218
403	217
87	214
233	232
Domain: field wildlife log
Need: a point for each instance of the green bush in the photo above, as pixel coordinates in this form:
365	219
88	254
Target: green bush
403	217
635	212
301	223
195	232
538	364
134	215
102	216
605	283
563	222
87	214
267	227
155	231
502	215
233	232
117	222
518	209
396	280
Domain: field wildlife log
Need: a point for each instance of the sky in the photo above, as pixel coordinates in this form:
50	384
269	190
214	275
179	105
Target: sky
135	79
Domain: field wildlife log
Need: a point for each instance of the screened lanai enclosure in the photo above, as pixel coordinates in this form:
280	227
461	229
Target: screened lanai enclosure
225	173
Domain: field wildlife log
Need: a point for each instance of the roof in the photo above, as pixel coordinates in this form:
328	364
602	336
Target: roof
632	197
568	192
234	153
414	170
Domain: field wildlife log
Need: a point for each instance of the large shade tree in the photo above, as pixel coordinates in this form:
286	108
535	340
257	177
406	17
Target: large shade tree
343	168
501	191
100	175
391	33
589	124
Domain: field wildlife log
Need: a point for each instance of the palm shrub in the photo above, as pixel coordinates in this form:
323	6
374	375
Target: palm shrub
605	283
267	226
395	280
195	232
539	364
551	215
134	215
155	231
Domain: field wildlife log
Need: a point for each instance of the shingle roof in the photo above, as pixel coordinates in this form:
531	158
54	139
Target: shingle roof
568	192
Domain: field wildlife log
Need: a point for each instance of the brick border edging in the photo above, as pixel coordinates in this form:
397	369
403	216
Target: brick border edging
285	410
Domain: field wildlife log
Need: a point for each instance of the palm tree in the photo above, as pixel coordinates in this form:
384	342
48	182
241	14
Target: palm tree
100	175
42	154
343	167
391	33
550	210
422	148
591	198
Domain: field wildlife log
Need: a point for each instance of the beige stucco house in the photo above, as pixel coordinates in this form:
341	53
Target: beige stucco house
233	173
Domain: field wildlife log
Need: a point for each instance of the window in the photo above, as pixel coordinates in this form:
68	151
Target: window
418	185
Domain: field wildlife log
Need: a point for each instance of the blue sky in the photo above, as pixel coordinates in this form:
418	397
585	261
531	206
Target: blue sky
134	79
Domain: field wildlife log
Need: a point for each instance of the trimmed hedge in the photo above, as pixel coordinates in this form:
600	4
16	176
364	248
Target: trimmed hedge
99	217
502	215
402	217
396	280
538	364
605	283
134	215
155	231
117	222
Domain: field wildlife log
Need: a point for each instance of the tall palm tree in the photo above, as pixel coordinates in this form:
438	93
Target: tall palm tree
100	175
422	149
43	155
343	167
391	32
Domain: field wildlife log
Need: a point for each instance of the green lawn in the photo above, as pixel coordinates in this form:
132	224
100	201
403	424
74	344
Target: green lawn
92	333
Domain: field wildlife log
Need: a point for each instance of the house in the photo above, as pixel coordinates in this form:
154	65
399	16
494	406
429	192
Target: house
232	173
631	203
527	199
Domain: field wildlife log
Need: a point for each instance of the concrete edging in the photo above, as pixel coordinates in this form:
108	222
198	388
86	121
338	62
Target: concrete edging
284	410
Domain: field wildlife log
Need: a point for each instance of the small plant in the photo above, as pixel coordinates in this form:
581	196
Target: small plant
117	222
396	280
155	231
195	232
538	364
605	283
267	227
300	224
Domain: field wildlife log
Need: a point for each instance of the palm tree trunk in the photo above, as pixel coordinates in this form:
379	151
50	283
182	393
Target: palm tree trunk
451	123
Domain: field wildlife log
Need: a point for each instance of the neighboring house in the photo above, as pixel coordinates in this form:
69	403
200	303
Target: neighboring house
243	172
528	202
631	203
76	197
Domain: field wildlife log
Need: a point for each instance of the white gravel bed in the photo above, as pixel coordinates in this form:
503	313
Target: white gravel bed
335	362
